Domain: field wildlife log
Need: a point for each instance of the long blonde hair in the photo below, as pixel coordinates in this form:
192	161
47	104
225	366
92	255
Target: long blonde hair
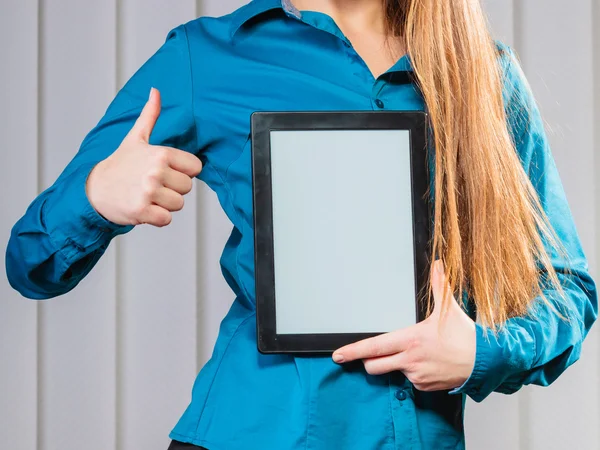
489	224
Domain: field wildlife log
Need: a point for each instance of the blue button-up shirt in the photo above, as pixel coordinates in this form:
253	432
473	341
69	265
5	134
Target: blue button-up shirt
213	73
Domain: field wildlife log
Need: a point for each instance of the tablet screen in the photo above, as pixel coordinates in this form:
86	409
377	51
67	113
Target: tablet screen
342	231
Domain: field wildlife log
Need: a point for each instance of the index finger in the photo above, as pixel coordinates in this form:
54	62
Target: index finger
382	345
184	162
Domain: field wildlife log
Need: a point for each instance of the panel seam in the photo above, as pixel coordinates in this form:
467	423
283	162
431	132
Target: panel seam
209	390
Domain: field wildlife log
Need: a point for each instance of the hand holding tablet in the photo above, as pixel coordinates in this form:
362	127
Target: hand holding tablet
435	354
341	226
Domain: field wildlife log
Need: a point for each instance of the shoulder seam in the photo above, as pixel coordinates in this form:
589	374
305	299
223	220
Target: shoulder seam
192	109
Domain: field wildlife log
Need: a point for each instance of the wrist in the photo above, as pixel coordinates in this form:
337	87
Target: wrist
95	197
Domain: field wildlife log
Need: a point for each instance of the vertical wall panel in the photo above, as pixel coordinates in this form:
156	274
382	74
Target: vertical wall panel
595	125
494	423
596	202
77	330
501	17
157	273
555	48
18	172
216	8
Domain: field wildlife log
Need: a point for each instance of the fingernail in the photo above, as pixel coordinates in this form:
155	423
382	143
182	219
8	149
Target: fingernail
151	92
337	358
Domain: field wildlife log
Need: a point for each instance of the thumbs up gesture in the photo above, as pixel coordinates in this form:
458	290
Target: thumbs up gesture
142	183
436	354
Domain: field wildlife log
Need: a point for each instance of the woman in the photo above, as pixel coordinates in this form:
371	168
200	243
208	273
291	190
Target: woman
503	228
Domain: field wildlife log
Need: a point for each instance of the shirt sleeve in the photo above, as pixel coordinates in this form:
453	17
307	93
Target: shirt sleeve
536	350
61	236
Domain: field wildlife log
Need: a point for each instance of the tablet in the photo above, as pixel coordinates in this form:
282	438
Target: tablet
341	226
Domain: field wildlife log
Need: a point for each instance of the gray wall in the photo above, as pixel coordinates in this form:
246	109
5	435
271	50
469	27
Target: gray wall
112	364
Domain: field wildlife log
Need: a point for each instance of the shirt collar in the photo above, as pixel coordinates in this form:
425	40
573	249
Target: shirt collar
257	7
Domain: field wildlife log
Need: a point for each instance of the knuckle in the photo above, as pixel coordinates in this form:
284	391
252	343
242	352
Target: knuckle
417	379
414	341
178	203
162	154
147	196
188	185
374	349
139	210
139	138
160	218
149	190
370	367
165	219
155	174
410	370
199	166
417	356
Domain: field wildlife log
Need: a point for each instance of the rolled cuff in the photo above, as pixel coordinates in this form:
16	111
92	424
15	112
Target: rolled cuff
73	223
498	356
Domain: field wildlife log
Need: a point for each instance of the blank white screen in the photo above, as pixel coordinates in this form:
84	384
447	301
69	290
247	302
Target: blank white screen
342	230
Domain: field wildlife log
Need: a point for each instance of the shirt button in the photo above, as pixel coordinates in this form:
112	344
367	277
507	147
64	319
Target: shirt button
401	394
379	103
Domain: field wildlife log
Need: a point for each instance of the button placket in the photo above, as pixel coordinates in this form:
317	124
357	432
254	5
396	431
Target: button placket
403	410
376	94
401	394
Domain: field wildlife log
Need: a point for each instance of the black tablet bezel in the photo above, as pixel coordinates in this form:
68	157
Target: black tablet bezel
262	123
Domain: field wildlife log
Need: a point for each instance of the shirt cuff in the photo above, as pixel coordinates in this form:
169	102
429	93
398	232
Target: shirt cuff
495	360
75	226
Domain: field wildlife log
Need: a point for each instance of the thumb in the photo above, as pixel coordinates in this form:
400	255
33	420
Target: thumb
145	123
439	286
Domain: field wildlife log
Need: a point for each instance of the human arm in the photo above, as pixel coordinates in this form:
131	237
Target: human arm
61	236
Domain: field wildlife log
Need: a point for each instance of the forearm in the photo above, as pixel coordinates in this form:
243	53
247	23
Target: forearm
59	239
536	349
